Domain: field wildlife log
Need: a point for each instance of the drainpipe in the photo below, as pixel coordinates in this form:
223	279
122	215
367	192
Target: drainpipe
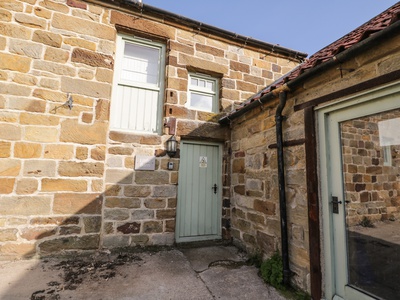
282	195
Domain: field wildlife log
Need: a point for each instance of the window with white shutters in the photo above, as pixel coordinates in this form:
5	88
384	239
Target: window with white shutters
138	86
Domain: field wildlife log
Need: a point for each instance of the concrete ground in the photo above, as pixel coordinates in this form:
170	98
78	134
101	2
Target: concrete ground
215	272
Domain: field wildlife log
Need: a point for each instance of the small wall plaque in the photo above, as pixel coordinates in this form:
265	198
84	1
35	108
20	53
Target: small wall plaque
203	162
145	163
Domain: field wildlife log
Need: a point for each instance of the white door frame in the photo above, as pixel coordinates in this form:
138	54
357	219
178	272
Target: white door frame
373	101
218	196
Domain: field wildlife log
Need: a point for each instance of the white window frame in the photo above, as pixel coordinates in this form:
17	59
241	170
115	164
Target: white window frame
151	117
214	93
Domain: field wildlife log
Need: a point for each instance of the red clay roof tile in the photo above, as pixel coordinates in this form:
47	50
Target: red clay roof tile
376	24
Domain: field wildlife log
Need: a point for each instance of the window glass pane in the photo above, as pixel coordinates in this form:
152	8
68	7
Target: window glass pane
210	85
203	102
202	83
140	64
194	81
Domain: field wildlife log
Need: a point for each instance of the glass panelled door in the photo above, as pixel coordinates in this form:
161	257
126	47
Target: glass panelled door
371	180
361	197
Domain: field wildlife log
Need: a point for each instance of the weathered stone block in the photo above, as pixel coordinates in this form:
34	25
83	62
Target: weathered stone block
91	58
69	230
238	165
139	240
265	207
76	169
153	227
87	242
25	48
42	12
71	131
116	214
10	167
14	62
27	150
24	205
14	30
114	202
154	203
267	242
84	87
56	55
120	150
29	21
170	226
67	185
82	153
7	235
53	67
59	151
10	132
27	186
116	241
41	134
129	228
37	233
104	75
5	149
77	42
137	191
38	119
152	177
97	185
124	137
86	27
142	24
119	176
143	214
25	79
47	38
54	221
98	153
165	213
164	191
15	251
25	104
74	203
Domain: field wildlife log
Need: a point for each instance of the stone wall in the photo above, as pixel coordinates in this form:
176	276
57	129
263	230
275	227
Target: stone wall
370	173
66	182
255	187
255	200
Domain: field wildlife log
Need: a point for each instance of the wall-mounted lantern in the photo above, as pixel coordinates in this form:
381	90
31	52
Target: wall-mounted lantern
171	146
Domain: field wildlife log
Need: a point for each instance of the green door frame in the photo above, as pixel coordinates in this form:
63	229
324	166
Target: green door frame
333	226
216	201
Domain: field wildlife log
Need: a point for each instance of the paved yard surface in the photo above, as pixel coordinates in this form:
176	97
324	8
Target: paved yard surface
216	272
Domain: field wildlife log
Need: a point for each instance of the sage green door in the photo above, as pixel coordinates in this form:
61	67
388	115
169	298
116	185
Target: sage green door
360	176
199	192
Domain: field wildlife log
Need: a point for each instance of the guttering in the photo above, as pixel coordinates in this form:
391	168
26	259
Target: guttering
264	99
282	194
334	61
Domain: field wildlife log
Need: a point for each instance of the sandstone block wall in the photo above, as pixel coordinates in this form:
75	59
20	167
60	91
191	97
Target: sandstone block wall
254	176
66	182
255	187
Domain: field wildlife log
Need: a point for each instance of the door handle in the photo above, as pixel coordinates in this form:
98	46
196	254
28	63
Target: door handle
335	204
215	187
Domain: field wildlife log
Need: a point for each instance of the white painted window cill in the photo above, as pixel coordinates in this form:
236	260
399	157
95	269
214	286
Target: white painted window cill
203	93
136	103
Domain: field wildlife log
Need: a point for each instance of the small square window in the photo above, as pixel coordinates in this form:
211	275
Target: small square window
203	93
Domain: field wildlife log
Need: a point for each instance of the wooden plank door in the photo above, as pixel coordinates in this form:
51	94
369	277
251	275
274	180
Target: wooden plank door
199	192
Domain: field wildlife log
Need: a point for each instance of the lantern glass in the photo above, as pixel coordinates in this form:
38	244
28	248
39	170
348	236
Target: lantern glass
171	146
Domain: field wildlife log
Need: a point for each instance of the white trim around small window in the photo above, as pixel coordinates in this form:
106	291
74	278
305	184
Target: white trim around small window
203	93
136	104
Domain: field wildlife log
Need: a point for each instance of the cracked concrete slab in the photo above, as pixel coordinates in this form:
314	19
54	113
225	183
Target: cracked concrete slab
201	258
239	283
197	273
